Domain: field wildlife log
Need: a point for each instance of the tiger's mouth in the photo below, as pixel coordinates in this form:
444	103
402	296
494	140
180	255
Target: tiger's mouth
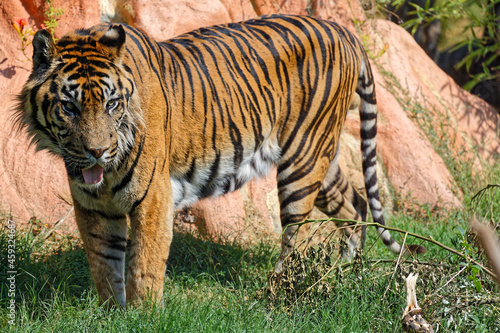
93	175
89	172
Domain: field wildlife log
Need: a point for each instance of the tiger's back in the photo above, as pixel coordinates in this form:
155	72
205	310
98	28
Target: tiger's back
144	127
279	84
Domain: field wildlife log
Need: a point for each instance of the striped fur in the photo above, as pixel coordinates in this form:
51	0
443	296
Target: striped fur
144	127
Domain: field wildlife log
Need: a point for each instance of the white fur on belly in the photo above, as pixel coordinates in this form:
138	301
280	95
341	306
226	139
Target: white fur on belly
254	165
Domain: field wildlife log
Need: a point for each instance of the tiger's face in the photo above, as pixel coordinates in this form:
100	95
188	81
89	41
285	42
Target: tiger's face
88	117
80	101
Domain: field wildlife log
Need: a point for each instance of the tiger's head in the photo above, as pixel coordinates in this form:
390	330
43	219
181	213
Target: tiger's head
80	101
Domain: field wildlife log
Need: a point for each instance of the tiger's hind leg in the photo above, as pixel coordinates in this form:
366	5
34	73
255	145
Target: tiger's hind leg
338	198
297	191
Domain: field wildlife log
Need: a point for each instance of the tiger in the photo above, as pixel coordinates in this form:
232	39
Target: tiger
145	128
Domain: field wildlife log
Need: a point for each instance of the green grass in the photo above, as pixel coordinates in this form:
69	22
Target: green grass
220	286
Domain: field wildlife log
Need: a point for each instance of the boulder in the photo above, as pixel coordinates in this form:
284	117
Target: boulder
34	184
466	122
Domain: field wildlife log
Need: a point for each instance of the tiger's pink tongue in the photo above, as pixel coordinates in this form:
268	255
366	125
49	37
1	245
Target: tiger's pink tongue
93	175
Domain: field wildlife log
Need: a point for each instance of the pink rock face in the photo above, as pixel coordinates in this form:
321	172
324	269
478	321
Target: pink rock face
166	19
413	166
475	121
35	183
32	184
221	216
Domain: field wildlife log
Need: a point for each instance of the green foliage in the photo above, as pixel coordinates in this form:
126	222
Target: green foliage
483	46
52	16
481	34
422	15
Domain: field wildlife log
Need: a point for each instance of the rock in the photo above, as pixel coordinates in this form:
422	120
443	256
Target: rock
415	170
165	19
342	12
247	215
266	7
33	183
470	124
223	216
77	14
475	121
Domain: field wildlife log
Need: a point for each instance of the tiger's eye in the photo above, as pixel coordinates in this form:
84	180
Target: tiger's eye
70	108
111	104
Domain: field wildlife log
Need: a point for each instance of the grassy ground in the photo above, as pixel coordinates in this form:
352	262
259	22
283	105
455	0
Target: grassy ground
219	286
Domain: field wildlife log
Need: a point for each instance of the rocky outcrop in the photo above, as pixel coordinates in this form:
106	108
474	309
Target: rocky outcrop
35	183
31	184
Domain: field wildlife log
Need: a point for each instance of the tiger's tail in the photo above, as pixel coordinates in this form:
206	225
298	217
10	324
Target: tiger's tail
368	115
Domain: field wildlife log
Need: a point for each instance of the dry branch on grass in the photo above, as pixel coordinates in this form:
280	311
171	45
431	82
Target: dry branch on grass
299	291
350	223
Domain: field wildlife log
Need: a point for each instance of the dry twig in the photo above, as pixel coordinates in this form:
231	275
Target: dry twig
430	240
57	224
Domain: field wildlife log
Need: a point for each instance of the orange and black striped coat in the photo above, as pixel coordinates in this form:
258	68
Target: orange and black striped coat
145	127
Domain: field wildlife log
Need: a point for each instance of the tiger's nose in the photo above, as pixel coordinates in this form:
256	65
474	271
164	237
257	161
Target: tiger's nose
97	152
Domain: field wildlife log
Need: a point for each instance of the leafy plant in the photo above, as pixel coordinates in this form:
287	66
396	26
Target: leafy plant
483	48
481	34
52	16
26	31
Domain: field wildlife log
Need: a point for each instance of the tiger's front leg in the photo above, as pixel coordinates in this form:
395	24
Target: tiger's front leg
151	224
105	241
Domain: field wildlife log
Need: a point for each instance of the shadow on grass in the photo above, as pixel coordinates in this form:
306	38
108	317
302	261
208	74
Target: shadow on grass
43	273
225	262
39	276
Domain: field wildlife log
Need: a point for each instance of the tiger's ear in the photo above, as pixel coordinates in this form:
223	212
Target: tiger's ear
44	50
113	41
